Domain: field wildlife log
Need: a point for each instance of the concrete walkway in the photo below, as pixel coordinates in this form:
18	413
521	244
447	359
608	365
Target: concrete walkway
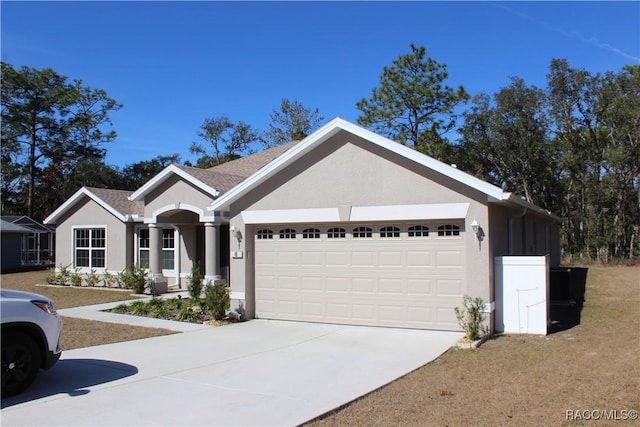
256	373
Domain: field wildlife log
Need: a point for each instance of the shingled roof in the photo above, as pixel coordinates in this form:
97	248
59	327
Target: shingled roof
217	180
119	200
245	166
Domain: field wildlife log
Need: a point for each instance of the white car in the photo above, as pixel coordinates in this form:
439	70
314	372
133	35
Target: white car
30	338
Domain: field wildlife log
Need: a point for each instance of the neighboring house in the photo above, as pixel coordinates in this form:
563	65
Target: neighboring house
345	226
26	244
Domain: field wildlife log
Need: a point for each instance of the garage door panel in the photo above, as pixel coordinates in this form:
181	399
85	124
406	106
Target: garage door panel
337	259
338	311
419	287
363	285
390	259
449	259
396	282
287	282
337	285
449	287
361	258
290	259
312	259
419	259
364	313
392	287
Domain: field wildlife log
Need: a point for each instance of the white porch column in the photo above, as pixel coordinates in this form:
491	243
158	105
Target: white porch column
155	250
211	245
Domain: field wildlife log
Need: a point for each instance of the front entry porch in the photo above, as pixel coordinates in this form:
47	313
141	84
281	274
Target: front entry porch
171	245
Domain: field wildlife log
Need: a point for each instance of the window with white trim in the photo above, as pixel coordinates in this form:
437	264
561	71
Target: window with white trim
287	233
143	247
418	231
390	231
264	234
310	233
90	246
362	232
448	230
336	233
168	248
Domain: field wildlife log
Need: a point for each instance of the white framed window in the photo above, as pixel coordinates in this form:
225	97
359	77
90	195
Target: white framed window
336	233
448	230
287	233
310	233
389	231
90	247
362	232
418	231
264	234
168	249
143	247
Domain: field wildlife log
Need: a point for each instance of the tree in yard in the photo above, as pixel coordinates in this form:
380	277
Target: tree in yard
137	174
227	140
292	122
34	102
597	121
507	143
412	105
51	131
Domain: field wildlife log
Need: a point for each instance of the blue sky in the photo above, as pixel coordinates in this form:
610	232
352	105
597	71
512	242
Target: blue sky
173	64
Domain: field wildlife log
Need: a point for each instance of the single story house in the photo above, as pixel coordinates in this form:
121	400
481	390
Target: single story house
345	226
26	244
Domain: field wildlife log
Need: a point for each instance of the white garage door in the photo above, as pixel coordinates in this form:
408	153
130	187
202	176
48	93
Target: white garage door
372	274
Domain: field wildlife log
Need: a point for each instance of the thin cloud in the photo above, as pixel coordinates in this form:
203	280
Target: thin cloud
593	41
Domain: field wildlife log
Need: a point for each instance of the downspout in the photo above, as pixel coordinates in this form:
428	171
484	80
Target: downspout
511	218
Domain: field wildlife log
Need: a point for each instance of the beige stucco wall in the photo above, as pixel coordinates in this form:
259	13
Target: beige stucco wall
346	171
171	193
88	213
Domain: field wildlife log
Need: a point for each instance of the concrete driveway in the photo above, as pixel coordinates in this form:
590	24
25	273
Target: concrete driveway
258	373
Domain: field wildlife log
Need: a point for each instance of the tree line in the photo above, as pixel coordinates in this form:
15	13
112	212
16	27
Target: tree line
572	147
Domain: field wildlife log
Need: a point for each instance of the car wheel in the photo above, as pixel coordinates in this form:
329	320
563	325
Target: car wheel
20	363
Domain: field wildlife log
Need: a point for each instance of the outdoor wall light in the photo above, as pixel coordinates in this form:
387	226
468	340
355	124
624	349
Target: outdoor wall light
237	234
475	227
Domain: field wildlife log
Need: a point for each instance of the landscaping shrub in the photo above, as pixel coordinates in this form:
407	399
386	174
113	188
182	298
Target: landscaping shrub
92	278
135	278
195	282
218	300
471	316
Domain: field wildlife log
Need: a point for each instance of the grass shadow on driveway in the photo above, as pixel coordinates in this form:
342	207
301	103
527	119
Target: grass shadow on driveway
72	377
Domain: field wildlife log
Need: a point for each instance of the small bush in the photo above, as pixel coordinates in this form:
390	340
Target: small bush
76	278
195	282
92	278
139	308
52	277
471	316
110	280
218	300
159	310
121	308
188	315
135	278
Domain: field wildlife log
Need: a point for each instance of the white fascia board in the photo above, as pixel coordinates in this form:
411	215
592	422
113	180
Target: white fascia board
291	216
432	211
77	196
164	175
